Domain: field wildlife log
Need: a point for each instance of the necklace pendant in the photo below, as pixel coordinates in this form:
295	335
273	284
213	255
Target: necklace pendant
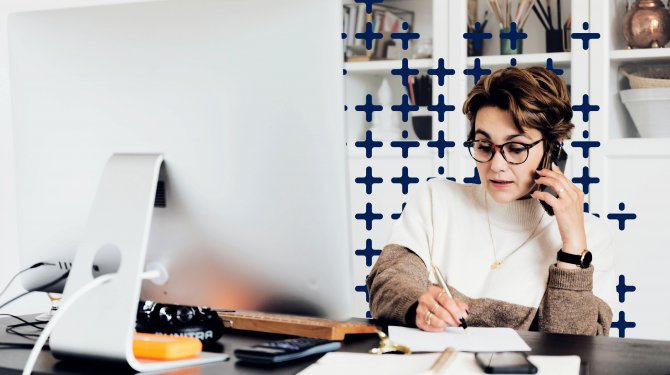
495	265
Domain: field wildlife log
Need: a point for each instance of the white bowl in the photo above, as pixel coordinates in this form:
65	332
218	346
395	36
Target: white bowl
650	110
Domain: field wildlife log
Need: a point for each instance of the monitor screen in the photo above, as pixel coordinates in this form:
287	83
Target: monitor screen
244	99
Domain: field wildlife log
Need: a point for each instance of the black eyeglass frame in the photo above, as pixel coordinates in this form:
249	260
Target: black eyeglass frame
499	148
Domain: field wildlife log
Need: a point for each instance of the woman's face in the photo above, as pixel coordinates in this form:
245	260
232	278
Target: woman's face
497	126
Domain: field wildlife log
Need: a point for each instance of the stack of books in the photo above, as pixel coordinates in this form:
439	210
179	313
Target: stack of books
385	20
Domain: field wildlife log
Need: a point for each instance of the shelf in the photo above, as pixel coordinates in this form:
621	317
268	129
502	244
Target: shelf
387	151
560	59
646	54
638	147
385	66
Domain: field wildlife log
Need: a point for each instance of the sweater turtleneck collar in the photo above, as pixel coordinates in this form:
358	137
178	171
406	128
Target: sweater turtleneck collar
522	214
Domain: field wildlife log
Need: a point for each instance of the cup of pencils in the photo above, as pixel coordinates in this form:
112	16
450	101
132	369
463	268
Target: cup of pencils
553	35
476	48
505	16
420	93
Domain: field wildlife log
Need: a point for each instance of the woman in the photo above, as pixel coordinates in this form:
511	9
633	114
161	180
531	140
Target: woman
494	241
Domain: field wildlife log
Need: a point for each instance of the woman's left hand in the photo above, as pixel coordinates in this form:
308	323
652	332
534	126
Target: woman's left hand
568	208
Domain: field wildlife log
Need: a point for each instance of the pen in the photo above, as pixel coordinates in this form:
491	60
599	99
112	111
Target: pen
443	284
448	355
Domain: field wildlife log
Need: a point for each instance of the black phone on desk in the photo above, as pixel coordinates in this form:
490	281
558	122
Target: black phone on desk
505	363
558	156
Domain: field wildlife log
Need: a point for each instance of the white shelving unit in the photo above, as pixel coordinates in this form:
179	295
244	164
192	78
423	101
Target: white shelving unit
384	67
620	162
444	21
560	59
633	172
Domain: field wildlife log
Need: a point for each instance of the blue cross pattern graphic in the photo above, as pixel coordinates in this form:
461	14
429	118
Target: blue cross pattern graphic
405	145
368	252
513	35
368	180
406	36
405	107
622	325
440	143
586	37
478	36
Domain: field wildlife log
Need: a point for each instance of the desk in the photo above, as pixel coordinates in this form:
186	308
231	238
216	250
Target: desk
604	355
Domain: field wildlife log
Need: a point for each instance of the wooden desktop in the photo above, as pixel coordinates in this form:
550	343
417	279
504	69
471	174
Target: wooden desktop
600	355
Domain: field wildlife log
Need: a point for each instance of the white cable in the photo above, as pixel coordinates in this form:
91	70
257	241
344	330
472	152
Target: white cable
39	344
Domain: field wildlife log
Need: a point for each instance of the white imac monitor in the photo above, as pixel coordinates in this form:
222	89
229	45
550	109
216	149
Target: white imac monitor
244	100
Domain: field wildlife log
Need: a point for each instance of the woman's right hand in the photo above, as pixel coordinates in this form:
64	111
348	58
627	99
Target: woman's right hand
436	310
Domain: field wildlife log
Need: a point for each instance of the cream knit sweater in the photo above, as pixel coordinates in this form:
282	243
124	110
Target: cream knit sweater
445	223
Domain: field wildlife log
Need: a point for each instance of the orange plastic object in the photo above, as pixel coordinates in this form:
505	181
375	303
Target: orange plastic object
163	347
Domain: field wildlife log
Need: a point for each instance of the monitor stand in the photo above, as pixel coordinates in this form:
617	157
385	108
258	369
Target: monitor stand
100	325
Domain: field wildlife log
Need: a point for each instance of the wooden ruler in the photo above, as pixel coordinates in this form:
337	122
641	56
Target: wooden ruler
293	325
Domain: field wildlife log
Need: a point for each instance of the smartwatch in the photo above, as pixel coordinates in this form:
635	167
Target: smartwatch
583	260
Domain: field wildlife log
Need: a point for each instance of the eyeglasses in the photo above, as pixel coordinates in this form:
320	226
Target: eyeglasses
513	152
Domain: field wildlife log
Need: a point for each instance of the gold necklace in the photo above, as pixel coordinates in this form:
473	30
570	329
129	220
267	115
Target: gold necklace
497	262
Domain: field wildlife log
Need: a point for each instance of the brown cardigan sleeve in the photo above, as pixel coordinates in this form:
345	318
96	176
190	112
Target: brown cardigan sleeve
395	283
399	277
569	305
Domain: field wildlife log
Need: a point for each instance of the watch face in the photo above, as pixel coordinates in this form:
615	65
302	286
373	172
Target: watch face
586	259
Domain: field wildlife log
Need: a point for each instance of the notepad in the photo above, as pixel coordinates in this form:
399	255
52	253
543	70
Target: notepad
338	363
474	339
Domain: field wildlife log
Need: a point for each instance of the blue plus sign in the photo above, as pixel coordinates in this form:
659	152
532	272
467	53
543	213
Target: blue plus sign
369	107
396	216
550	66
441	107
585	108
368	180
363	289
369	35
368	252
405	180
368	144
368	4
405	145
440	72
405	108
586	209
585	37
474	179
477	72
513	35
368	216
405	71
622	288
622	324
585	145
585	180
406	36
477	36
440	144
622	217
440	171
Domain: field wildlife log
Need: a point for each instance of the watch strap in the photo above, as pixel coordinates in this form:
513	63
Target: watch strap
582	260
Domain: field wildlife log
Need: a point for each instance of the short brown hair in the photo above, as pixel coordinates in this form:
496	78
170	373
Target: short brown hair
536	97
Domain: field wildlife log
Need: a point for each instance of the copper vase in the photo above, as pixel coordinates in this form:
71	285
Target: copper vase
647	24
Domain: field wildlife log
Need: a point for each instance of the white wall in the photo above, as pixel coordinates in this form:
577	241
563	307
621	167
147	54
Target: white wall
9	263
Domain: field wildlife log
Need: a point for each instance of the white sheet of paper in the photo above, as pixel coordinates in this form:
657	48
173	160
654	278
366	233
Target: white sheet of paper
474	339
338	363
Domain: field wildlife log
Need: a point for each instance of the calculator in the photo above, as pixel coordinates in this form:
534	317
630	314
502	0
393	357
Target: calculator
286	350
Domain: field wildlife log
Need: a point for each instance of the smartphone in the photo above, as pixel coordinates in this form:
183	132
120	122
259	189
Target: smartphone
505	363
559	157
